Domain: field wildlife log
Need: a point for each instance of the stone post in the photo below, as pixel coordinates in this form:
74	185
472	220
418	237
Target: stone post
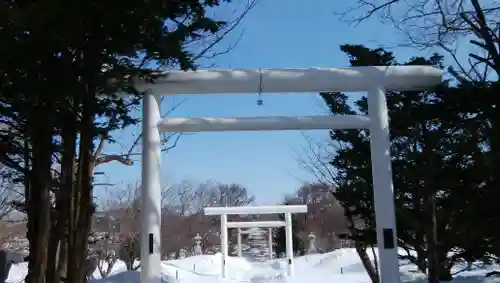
270	242
238	243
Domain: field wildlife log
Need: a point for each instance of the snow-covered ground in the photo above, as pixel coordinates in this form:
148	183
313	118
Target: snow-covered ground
338	266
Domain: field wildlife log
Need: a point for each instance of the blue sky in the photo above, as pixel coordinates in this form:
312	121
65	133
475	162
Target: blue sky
276	34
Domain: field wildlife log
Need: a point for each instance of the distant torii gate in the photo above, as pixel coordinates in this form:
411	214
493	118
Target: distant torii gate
257	224
374	80
256	210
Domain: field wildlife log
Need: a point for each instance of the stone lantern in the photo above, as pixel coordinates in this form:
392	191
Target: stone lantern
197	248
312	244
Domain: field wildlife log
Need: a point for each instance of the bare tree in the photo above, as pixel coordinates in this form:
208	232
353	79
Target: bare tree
179	199
182	217
9	223
325	217
188	198
106	227
107	258
6	197
315	159
231	195
183	214
448	25
119	227
205	48
186	202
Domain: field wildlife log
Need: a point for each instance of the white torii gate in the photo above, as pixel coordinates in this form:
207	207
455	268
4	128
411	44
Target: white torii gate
375	80
259	210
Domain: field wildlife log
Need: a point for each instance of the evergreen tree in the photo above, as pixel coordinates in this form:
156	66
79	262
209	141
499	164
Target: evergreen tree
437	168
129	251
61	65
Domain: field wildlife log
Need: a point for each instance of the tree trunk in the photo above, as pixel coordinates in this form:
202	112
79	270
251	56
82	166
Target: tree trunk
67	183
62	263
431	228
469	265
439	269
375	257
421	260
431	236
365	260
361	248
38	203
419	244
83	204
444	267
50	273
429	209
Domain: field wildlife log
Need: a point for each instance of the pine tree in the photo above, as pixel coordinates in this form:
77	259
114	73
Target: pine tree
437	167
59	75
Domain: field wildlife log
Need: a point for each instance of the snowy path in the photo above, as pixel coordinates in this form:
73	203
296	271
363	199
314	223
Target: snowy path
339	266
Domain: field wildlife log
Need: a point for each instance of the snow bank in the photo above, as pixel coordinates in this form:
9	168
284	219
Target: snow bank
338	266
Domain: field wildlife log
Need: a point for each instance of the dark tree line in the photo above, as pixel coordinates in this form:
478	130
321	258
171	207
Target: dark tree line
445	141
61	65
443	147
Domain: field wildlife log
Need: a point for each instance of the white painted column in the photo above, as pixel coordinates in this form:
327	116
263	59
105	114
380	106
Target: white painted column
238	243
383	186
150	214
289	242
270	242
223	244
